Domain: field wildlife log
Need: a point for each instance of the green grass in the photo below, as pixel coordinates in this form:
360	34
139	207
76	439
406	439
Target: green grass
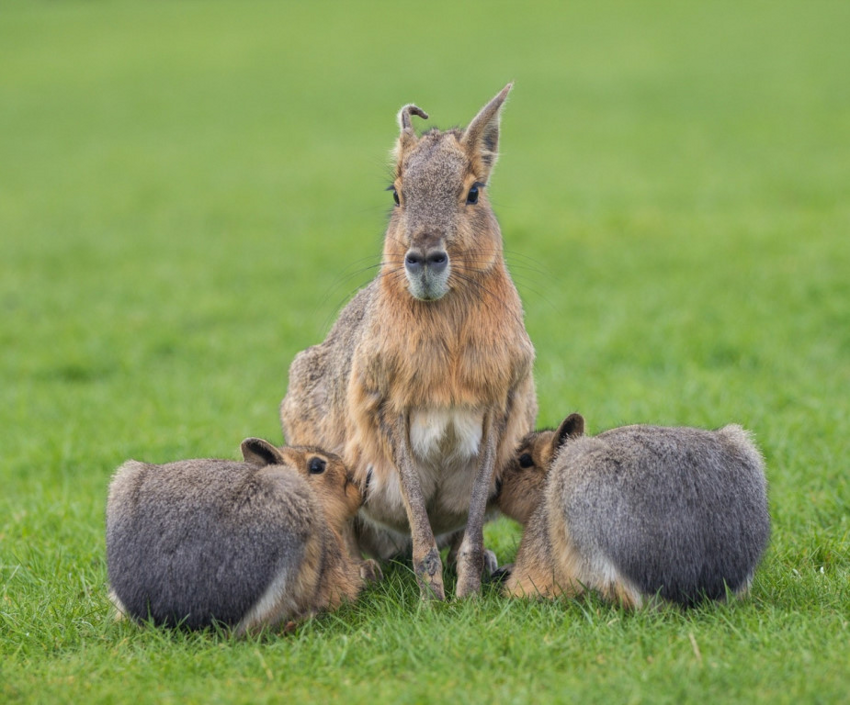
188	192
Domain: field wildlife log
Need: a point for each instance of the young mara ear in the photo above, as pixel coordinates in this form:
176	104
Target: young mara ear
259	452
571	427
481	138
407	137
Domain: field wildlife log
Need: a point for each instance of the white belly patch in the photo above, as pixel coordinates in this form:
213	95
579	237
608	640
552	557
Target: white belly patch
445	434
444	445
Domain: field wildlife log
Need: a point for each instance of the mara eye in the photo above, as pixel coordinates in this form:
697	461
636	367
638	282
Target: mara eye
472	196
395	198
526	461
316	466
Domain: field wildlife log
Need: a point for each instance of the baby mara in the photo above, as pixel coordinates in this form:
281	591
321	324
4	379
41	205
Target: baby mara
248	544
636	513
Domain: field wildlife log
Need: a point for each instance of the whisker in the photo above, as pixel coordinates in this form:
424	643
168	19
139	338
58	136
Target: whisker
512	266
392	268
521	279
526	287
340	281
393	272
471	280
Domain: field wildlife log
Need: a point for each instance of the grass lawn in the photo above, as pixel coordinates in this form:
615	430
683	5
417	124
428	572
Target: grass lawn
189	191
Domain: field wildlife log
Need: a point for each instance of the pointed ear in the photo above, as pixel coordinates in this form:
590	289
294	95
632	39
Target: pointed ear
259	452
571	427
407	137
481	138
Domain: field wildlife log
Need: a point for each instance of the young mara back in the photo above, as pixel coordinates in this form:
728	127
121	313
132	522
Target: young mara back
247	544
638	511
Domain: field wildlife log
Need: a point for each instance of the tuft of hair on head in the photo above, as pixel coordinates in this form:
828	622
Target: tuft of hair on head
407	137
405	113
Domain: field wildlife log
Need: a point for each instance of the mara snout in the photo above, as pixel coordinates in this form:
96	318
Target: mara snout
427	271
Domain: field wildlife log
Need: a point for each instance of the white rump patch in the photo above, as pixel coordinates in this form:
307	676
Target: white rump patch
273	606
604	574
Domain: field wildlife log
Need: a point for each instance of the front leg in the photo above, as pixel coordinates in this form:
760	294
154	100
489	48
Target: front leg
426	556
471	555
370	571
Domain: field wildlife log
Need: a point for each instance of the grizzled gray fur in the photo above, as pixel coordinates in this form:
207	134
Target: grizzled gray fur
245	544
641	511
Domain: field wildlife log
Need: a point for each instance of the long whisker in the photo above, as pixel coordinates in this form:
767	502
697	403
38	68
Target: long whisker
485	254
341	281
482	288
526	283
381	273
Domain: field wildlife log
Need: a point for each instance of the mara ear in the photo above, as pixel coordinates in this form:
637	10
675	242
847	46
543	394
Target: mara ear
407	137
571	427
481	138
259	452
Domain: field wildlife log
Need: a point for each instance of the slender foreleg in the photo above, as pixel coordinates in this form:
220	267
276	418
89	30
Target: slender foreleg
426	555
471	555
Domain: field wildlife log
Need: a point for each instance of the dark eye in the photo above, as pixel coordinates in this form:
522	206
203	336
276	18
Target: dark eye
526	461
395	198
316	466
472	196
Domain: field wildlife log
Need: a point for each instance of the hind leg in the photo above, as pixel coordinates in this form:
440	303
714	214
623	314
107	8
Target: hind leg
370	571
543	569
491	562
378	542
532	582
742	592
576	571
620	593
119	612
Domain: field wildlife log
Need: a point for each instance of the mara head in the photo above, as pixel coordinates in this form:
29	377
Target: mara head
522	480
333	484
442	231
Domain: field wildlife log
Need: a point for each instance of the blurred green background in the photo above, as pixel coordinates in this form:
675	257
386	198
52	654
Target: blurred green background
190	190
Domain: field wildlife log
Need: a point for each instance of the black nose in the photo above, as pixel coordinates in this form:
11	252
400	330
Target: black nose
435	260
414	261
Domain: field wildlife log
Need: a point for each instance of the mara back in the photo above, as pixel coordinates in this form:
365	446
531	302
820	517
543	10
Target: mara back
201	540
681	512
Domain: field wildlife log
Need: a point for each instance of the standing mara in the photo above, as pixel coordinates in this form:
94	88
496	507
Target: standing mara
426	377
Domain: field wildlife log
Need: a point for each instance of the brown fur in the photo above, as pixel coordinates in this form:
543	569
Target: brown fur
544	566
329	566
426	379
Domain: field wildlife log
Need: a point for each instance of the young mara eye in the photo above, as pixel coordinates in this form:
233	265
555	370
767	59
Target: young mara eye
472	196
526	461
395	194
316	466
